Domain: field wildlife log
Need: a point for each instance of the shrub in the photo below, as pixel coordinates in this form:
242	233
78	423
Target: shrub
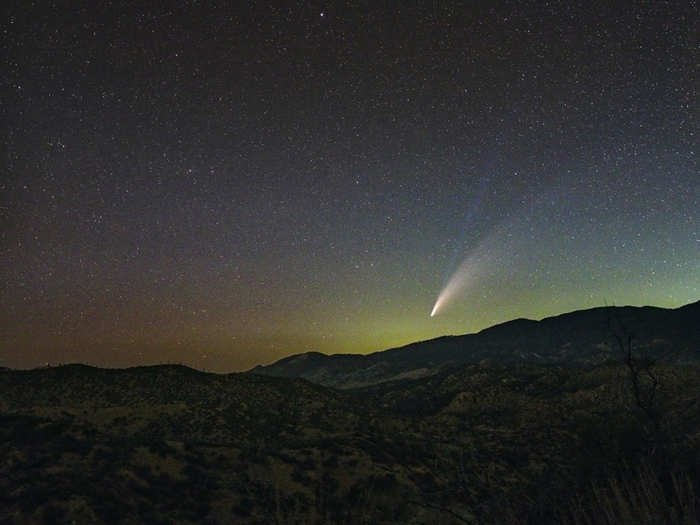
643	499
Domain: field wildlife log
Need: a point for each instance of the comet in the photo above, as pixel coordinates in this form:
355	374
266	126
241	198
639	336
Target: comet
474	268
459	281
465	273
504	242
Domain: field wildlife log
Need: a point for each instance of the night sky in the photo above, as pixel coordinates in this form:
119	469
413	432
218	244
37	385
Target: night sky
223	185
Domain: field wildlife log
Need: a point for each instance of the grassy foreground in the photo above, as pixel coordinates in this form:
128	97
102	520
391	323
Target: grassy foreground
474	444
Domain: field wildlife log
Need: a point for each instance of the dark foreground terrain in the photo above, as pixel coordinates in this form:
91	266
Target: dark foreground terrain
612	442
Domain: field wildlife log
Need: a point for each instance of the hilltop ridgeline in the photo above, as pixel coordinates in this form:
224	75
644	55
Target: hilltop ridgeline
583	337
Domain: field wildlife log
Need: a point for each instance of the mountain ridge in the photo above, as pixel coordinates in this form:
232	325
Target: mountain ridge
585	336
172	444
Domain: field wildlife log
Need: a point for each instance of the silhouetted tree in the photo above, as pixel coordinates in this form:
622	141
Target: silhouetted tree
644	381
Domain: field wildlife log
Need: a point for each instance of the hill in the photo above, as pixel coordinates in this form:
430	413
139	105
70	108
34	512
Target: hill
496	441
471	444
582	337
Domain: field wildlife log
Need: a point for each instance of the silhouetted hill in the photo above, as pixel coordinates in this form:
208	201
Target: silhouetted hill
575	338
519	435
187	402
469	444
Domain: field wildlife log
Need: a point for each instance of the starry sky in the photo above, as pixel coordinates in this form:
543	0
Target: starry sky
225	184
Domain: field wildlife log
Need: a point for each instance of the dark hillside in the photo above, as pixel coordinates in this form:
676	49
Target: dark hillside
583	337
472	443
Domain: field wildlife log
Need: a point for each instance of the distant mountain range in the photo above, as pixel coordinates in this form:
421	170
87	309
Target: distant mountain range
522	432
576	338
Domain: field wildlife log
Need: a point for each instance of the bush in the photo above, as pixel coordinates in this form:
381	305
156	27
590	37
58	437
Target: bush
53	514
642	499
244	507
